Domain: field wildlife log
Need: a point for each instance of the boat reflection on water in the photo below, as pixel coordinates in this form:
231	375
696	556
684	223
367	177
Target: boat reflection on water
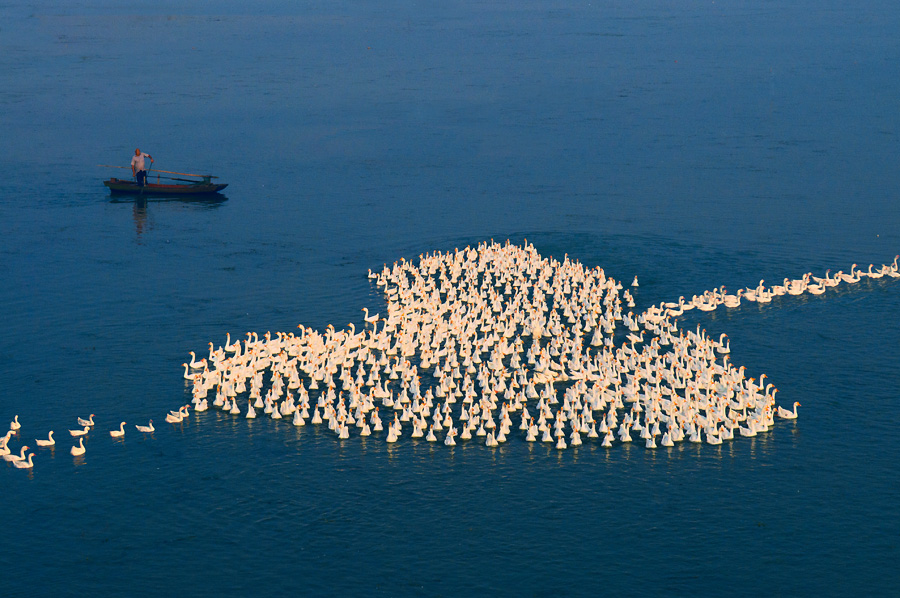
141	205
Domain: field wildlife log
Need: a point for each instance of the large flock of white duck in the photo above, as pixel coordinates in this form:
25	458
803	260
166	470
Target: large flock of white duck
483	344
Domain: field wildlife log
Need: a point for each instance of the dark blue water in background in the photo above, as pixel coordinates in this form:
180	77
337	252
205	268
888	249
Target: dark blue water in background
692	144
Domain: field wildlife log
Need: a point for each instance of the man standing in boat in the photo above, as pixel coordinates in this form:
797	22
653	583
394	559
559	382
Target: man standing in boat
137	166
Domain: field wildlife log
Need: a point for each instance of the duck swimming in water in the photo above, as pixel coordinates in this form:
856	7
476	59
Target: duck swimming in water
785	414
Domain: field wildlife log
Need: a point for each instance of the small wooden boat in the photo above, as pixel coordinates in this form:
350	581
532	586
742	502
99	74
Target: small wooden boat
117	186
202	185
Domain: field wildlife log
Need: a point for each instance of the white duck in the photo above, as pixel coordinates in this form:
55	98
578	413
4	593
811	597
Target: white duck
24	464
86	422
852	277
723	346
196	365
118	433
733	300
449	441
873	274
48	442
14	424
891	270
607	439
77	433
815	289
10	457
175	417
78	450
785	414
146	429
368	318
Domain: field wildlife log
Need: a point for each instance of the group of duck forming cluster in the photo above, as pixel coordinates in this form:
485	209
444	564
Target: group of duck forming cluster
498	333
481	340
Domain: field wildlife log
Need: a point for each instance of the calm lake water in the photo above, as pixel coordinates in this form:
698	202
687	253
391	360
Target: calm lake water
693	144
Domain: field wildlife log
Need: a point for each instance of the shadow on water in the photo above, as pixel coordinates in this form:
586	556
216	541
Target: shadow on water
141	205
212	200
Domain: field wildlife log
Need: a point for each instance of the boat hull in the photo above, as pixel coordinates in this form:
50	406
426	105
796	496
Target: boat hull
124	187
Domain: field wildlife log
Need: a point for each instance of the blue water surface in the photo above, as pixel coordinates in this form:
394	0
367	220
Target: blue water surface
692	144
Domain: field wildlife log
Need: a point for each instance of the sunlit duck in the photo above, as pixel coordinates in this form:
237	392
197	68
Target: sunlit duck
780	289
14	424
48	442
11	457
146	429
815	289
785	414
77	433
723	346
24	464
891	270
118	433
830	281
86	422
369	319
667	440
694	435
174	417
196	365
854	275
732	301
392	434
796	287
876	274
448	441
78	450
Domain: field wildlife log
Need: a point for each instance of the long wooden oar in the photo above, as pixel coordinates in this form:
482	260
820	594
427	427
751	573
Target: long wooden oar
166	171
